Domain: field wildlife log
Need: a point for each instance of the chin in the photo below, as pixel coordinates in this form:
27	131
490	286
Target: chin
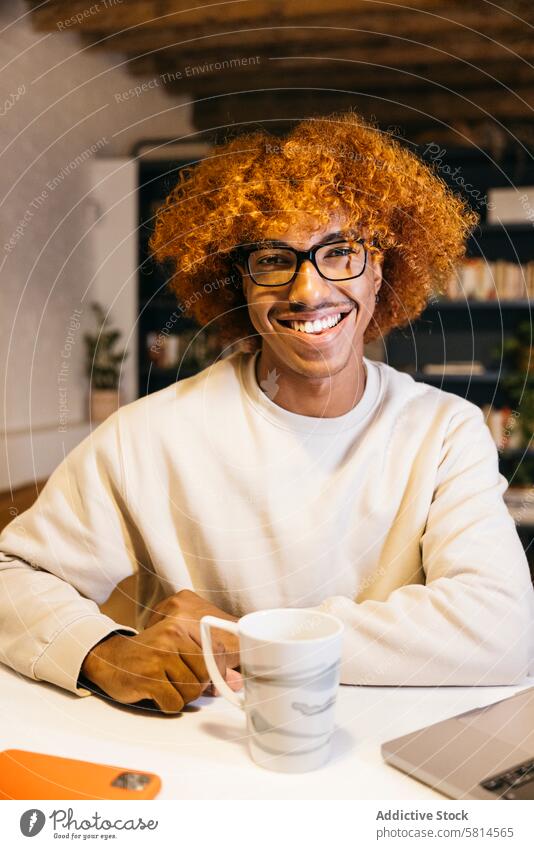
315	364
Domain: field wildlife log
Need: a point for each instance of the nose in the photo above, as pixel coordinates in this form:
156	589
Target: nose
309	287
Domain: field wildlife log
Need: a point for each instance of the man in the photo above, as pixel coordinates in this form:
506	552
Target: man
300	473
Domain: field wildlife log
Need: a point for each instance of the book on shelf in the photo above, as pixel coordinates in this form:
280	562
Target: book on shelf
511	205
459	367
520	503
479	280
505	427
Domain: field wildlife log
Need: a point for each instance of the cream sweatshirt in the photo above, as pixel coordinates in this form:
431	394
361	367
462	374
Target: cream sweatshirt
391	517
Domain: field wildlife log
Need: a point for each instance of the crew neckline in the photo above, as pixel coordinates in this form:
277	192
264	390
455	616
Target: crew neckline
287	420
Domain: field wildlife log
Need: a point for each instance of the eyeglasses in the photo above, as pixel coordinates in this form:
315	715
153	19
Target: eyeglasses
278	266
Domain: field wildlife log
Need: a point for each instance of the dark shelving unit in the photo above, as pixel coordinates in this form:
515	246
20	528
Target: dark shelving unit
467	330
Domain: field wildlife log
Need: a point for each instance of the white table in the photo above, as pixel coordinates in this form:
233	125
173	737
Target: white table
202	754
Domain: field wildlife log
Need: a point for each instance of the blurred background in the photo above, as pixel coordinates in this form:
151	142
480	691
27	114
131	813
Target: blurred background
103	103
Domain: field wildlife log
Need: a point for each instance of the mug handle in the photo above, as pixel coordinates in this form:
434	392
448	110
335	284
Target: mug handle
206	623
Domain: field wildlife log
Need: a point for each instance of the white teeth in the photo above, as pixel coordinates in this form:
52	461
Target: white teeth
318	325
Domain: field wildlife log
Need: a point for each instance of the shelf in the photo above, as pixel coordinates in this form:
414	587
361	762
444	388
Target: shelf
521	510
491	377
492	229
523	524
486	377
480	305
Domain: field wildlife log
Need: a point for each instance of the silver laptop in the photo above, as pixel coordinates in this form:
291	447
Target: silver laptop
487	753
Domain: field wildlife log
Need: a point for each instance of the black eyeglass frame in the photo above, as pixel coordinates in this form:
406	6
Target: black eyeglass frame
243	252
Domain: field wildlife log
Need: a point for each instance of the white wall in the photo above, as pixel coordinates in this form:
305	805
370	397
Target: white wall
115	255
59	114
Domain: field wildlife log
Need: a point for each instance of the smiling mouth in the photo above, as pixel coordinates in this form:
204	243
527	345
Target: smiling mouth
318	327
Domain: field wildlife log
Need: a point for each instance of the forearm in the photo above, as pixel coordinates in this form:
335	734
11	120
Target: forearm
47	628
453	632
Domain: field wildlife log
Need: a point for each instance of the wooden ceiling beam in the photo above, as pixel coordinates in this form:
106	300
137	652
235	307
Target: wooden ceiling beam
392	53
154	14
405	107
280	106
487	97
360	75
325	30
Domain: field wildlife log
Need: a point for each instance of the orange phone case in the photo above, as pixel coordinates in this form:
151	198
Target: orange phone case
32	775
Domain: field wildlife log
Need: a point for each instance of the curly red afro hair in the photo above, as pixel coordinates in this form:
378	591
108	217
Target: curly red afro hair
324	166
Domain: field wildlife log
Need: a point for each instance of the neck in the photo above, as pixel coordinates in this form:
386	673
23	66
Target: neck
320	397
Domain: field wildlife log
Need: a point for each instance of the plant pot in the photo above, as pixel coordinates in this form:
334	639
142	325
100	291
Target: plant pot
103	402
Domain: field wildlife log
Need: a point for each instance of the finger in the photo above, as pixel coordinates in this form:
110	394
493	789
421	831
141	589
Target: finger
184	680
156	615
153	619
167	698
180	644
195	658
219	637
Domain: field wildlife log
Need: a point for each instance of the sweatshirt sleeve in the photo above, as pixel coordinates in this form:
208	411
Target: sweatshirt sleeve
472	622
63	557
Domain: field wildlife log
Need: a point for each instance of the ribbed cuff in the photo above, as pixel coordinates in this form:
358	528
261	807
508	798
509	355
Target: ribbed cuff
61	661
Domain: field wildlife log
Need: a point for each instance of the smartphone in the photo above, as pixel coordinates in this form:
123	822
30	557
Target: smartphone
33	775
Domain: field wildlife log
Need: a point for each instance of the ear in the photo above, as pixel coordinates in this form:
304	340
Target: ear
376	265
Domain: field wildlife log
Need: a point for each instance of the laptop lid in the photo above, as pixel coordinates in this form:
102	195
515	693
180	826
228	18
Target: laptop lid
460	756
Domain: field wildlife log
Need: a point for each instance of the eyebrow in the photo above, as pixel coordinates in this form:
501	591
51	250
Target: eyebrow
332	237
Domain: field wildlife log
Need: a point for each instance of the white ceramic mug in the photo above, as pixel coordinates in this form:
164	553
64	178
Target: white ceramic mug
290	661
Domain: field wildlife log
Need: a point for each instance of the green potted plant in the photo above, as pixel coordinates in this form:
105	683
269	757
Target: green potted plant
525	405
517	351
520	392
103	363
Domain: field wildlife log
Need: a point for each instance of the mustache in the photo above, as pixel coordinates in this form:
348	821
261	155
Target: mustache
297	308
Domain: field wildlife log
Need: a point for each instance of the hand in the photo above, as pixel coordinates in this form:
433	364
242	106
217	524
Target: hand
164	662
188	608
